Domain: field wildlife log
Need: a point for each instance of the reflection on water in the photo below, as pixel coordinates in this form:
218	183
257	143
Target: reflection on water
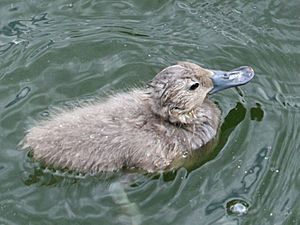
54	53
237	207
257	113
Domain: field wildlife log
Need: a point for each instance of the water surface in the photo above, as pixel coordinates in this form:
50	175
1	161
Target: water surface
53	53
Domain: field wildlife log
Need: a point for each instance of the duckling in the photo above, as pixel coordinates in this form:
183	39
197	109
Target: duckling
147	128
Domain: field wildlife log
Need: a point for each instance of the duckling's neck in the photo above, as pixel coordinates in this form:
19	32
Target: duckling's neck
202	126
201	123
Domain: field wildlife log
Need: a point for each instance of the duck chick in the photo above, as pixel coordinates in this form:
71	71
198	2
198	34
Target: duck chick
148	128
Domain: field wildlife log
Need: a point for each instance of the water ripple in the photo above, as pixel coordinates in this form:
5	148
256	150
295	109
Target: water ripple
22	94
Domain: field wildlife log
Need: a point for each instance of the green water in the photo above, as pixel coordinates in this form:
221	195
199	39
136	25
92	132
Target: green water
56	52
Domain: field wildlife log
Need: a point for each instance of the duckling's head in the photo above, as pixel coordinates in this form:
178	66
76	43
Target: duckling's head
179	90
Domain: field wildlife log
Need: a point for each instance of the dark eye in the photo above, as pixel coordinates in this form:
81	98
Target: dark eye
194	86
176	108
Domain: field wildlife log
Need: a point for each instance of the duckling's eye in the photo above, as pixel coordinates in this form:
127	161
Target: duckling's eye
194	86
175	108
